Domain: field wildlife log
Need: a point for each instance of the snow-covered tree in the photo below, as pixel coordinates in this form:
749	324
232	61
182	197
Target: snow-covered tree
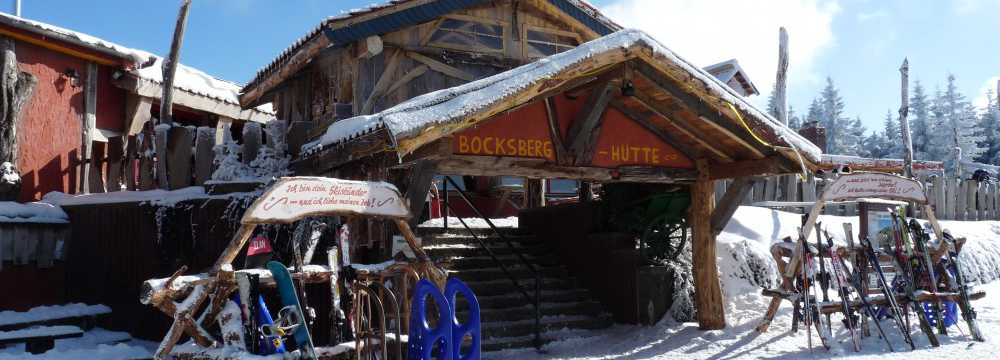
989	122
794	122
892	137
841	132
955	125
920	121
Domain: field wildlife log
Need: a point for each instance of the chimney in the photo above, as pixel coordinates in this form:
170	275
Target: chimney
815	133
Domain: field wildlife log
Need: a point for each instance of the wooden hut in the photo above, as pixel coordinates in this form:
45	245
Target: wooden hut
622	108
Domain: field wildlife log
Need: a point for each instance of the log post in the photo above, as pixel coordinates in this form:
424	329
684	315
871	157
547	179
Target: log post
904	125
17	87
89	125
708	293
170	65
780	84
534	193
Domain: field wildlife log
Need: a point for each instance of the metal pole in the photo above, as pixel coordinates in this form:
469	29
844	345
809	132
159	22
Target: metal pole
445	198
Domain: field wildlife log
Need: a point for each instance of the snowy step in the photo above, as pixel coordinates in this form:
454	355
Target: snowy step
39	339
591	308
549	323
473	249
441	239
527	341
518	272
78	314
481	262
513	300
455	227
505	286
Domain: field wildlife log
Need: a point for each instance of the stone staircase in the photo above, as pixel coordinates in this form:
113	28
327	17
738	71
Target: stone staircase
507	317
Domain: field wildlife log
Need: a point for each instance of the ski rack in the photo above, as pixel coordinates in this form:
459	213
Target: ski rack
849	187
287	201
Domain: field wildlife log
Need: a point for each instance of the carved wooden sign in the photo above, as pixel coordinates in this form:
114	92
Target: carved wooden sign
875	185
525	133
292	198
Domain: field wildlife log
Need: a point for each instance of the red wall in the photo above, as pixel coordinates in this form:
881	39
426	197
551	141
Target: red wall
50	130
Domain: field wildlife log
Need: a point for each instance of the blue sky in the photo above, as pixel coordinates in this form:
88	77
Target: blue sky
860	43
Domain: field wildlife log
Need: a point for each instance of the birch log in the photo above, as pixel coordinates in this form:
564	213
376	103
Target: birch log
170	65
904	125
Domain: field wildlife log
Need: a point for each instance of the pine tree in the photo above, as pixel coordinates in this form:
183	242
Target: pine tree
892	138
841	132
794	122
989	122
920	119
955	126
772	107
853	137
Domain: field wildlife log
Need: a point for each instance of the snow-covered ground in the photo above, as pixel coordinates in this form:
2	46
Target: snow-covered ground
746	266
93	345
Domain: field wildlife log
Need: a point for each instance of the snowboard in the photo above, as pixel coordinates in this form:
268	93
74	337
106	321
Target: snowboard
290	298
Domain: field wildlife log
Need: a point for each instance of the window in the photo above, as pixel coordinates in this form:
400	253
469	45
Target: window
563	187
539	42
468	33
439	181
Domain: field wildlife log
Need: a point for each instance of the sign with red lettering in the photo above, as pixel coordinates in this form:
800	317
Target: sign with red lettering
292	198
875	185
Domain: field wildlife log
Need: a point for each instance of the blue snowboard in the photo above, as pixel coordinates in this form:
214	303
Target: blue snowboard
286	289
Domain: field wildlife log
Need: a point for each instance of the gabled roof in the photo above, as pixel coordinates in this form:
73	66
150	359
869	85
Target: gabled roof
426	118
216	95
729	71
393	15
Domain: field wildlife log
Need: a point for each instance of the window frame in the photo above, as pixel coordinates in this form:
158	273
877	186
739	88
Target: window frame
525	43
504	34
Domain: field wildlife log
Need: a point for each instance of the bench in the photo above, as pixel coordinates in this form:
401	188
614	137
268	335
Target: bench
40	339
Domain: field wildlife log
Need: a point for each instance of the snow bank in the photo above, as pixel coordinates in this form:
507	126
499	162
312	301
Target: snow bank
45	313
158	197
35	212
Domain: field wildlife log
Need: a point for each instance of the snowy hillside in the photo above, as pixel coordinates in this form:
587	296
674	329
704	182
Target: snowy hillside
746	266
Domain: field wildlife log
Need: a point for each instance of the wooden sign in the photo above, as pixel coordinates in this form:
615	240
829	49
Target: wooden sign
292	198
624	142
875	185
522	133
525	133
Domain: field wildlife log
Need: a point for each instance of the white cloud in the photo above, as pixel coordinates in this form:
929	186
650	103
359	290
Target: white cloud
990	86
710	31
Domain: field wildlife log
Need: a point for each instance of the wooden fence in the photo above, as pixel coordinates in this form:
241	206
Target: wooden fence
951	198
163	157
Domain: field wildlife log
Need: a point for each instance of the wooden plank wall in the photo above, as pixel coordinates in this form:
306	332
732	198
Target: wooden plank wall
175	158
951	198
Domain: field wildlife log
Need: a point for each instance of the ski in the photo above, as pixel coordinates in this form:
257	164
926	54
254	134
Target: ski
807	310
920	238
905	258
842	288
964	302
824	276
887	291
860	286
336	314
290	300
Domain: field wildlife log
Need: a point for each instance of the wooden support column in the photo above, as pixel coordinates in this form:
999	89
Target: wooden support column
708	291
419	184
89	124
534	193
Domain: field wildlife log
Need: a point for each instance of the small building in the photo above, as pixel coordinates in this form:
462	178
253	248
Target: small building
89	99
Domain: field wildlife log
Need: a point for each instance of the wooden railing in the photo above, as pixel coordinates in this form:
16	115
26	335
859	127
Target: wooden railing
952	198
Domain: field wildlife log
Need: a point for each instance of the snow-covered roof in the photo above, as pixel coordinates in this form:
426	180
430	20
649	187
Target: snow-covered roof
730	69
35	212
141	63
832	161
582	10
409	119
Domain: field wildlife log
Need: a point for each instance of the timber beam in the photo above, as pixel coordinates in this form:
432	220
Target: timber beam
695	134
708	291
335	156
586	128
699	108
643	119
542	169
726	207
771	165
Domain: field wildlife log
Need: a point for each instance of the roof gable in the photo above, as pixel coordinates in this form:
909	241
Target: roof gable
395	15
426	118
